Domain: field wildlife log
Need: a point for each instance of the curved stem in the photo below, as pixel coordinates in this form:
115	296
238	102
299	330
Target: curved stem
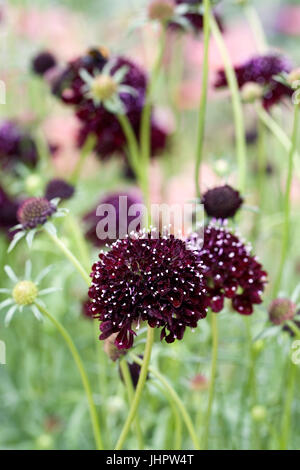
177	401
257	28
69	255
85	381
133	147
85	152
79	240
203	100
211	391
130	391
139	389
236	103
287	203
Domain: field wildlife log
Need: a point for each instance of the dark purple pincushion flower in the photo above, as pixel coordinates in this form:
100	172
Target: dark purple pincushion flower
35	211
222	202
16	145
91	219
8	212
230	270
156	280
96	119
43	62
262	70
59	188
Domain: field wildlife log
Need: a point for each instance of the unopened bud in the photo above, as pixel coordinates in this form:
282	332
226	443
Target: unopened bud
258	413
251	92
161	10
281	310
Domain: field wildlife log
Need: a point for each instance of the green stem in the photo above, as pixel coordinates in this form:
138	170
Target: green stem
257	28
70	256
79	239
139	389
177	401
211	391
203	100
85	381
287	409
145	130
287	203
85	152
133	147
130	391
236	103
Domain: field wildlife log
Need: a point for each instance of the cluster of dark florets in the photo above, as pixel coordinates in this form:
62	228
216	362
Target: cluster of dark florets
262	70
229	269
222	202
34	212
59	188
92	219
143	279
16	145
96	119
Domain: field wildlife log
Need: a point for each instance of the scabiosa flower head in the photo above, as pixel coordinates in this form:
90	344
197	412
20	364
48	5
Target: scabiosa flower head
115	200
99	87
16	145
59	188
43	62
222	202
8	211
156	280
161	10
262	70
35	211
230	270
281	310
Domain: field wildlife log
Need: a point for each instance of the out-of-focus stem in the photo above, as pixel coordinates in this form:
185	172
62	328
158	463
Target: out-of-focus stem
236	103
85	152
203	99
257	28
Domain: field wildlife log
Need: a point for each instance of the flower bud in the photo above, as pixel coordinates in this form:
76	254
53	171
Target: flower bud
281	310
251	92
199	383
33	184
222	202
25	293
258	413
161	10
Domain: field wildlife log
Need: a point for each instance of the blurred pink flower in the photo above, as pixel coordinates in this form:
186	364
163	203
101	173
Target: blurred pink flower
288	20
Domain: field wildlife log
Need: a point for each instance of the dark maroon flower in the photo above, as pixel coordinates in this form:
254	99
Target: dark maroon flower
16	145
96	119
222	202
43	62
194	19
281	310
35	211
8	212
134	371
59	188
262	70
92	219
156	280
230	270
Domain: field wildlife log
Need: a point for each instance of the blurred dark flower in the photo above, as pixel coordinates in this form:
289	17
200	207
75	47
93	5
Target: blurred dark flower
59	188
134	371
262	71
91	219
8	212
70	87
222	202
230	270
157	280
43	62
281	310
193	17
16	145
35	211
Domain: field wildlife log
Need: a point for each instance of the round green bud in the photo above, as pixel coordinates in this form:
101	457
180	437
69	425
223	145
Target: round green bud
251	92
33	184
258	413
44	442
25	293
